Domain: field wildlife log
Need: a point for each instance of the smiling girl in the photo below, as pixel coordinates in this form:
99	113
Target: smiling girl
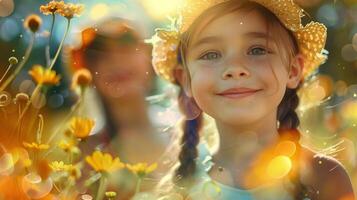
242	62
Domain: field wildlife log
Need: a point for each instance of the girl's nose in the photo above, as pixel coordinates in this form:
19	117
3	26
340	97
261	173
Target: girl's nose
235	70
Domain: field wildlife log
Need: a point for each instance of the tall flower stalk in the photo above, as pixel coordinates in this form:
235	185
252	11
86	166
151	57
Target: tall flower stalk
21	64
61	44
104	164
48	47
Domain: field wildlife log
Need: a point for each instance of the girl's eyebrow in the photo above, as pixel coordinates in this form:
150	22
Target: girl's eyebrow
213	39
258	35
209	39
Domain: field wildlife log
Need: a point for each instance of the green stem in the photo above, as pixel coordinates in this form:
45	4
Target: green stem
138	185
101	188
61	44
21	64
48	48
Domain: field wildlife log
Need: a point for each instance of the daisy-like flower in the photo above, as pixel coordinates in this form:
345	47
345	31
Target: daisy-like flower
72	170
36	146
81	78
33	23
104	162
44	76
110	195
142	169
58	166
69	147
81	127
70	10
52	7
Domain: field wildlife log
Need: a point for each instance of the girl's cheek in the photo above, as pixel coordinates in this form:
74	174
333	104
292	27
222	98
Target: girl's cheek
202	84
203	75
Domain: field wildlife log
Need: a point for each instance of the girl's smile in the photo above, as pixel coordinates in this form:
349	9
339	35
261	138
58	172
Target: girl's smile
238	92
237	73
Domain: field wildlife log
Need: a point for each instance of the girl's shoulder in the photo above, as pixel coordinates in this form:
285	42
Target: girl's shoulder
325	175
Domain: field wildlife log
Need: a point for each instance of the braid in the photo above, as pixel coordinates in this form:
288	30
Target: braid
188	153
286	111
289	122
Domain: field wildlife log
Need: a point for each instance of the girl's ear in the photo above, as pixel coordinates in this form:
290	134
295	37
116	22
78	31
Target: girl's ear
295	73
182	76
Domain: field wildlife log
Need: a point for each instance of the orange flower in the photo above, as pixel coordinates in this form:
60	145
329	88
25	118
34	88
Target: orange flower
81	127
69	10
44	76
52	7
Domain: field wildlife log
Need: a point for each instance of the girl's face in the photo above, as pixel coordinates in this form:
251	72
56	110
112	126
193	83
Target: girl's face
122	72
237	74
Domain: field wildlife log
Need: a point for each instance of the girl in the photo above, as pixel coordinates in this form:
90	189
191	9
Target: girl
120	63
242	62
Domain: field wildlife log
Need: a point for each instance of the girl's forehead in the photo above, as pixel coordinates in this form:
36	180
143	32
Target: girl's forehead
245	24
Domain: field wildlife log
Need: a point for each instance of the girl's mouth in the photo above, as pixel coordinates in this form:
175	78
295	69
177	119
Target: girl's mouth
234	93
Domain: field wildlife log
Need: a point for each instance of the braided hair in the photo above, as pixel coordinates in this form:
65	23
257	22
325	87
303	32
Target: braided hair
289	122
188	143
286	114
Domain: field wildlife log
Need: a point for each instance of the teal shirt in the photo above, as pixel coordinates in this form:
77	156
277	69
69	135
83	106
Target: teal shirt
206	188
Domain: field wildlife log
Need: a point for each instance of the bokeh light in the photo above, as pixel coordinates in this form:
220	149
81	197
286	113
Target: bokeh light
161	9
6	7
9	24
99	11
279	167
328	15
36	188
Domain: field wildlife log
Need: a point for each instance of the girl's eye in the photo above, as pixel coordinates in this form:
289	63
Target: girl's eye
258	51
210	56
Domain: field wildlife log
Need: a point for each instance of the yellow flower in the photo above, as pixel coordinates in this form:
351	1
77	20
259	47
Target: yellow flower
82	78
142	169
44	76
33	23
68	146
104	162
51	7
59	166
36	146
72	170
110	194
69	10
81	127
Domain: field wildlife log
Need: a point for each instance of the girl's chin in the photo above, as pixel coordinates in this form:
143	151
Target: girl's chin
237	118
